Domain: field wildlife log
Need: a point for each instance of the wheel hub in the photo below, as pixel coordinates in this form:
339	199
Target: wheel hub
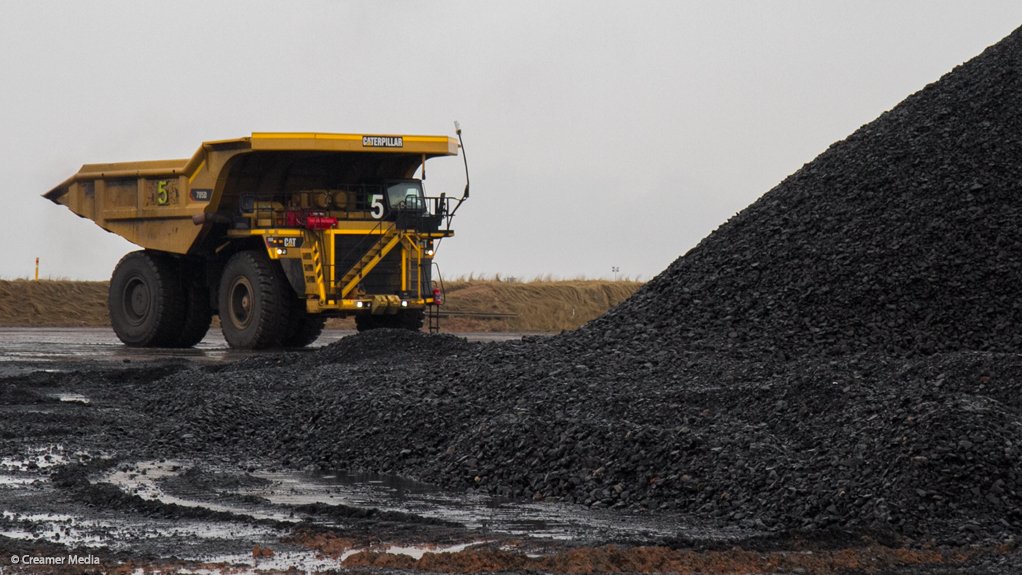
241	302
137	300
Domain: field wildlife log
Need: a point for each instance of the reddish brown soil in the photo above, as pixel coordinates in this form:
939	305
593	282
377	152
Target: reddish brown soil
867	559
615	559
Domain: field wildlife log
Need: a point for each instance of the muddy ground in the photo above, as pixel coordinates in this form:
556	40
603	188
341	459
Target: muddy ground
86	487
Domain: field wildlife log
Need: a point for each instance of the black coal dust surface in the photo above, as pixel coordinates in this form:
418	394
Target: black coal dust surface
925	447
838	357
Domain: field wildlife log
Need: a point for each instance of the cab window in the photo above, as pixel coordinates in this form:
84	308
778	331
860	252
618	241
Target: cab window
406	196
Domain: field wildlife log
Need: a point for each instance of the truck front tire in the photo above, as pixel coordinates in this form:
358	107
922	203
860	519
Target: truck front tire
145	300
254	301
408	319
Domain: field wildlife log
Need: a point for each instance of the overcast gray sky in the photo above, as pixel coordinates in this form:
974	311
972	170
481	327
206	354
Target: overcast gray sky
599	134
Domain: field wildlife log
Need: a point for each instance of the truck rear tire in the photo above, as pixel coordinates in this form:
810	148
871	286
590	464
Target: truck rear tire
254	301
145	300
408	319
198	314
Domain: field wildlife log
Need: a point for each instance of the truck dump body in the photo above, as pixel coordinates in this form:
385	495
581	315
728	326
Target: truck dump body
152	204
272	232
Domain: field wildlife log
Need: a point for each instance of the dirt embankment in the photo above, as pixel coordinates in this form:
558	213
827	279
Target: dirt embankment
48	303
536	306
474	305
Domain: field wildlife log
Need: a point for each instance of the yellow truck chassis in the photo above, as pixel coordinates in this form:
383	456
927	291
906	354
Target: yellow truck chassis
312	249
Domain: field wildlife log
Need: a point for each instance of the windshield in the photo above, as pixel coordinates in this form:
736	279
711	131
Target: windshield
406	196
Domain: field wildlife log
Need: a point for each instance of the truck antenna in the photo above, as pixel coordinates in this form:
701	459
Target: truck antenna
464	156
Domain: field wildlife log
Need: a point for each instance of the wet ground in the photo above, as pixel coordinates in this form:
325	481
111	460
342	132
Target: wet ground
72	499
25	345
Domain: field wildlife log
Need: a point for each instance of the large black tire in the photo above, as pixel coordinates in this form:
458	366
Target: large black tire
408	319
198	314
255	302
305	327
145	300
366	321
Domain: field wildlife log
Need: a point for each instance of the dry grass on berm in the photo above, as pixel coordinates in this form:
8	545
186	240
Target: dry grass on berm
52	303
537	306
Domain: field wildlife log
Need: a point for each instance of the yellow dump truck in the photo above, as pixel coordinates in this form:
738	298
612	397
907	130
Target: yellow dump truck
274	233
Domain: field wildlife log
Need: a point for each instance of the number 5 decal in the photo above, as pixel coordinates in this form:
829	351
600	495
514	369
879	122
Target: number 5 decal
162	197
376	203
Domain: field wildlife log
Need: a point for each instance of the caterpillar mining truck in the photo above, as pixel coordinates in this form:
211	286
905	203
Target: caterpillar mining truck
274	233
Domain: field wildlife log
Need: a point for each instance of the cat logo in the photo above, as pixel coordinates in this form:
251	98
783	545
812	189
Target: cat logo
284	242
383	142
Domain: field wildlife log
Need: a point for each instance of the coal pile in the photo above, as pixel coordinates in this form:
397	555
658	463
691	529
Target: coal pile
904	238
839	356
928	447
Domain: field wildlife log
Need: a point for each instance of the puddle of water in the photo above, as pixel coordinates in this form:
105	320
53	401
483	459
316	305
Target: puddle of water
36	517
49	526
284	561
279	493
41	458
143	480
283	491
68	397
73	531
417	551
36	458
34	346
12	481
537	520
43	345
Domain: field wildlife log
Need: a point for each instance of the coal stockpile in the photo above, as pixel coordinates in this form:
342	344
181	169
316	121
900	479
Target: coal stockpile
904	238
839	356
926	447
